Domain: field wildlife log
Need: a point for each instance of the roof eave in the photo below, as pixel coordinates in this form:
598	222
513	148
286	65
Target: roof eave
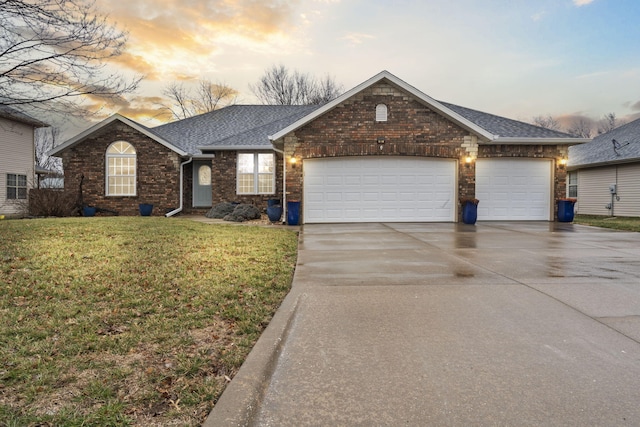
432	103
81	136
603	163
501	140
235	148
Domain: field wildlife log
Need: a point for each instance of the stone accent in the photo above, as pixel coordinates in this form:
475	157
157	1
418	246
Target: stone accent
158	171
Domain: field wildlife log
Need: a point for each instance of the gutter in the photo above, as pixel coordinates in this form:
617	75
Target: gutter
175	211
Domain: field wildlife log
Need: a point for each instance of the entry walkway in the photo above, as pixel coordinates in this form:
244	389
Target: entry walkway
449	324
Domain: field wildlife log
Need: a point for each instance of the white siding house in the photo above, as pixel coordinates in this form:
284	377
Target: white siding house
17	160
608	172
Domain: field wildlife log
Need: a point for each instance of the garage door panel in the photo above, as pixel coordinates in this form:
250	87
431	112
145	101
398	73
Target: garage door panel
513	189
379	189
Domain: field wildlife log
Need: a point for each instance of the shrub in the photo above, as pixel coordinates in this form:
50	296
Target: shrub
52	202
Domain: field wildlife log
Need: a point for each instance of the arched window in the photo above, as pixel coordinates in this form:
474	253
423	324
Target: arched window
121	169
381	113
204	175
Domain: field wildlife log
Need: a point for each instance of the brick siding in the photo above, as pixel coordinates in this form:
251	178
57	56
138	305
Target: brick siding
411	129
158	171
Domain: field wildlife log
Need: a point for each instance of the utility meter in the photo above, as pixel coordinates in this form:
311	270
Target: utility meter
613	189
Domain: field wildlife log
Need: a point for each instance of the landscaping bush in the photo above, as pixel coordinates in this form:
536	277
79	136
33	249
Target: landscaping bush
51	202
243	213
220	210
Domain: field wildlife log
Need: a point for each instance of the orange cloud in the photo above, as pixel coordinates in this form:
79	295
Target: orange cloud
167	37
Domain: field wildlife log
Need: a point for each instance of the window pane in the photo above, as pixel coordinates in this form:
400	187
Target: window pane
22	193
22	180
204	175
245	162
265	183
11	192
245	184
265	163
11	179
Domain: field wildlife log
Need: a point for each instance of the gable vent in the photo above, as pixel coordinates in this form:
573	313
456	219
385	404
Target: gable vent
381	113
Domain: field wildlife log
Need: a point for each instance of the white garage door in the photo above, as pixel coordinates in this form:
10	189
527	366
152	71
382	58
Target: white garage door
379	188
513	189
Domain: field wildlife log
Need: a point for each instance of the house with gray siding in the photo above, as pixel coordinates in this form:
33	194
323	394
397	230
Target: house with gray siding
604	174
17	160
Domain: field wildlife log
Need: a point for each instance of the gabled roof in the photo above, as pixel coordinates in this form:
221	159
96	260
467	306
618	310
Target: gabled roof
488	127
18	116
385	75
603	150
116	117
236	127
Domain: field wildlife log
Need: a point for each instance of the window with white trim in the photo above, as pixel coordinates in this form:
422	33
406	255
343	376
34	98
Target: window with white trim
381	113
572	188
16	186
256	173
121	169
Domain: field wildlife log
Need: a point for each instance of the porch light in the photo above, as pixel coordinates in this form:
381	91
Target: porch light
293	161
563	162
468	160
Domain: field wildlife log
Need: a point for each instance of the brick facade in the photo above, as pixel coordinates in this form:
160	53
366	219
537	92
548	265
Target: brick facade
223	177
411	129
158	171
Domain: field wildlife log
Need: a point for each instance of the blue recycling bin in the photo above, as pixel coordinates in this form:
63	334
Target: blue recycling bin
565	210
470	211
293	213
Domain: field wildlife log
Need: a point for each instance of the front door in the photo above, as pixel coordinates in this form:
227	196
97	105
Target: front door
202	184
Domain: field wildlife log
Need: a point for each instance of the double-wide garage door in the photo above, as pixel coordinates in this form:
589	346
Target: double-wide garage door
379	189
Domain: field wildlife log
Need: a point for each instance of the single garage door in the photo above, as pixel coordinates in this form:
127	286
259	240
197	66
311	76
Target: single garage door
513	189
379	188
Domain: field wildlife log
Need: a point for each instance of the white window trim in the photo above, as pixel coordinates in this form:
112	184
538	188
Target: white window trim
17	187
106	170
256	175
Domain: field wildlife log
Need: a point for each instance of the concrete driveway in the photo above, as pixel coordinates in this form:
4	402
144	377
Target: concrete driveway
450	324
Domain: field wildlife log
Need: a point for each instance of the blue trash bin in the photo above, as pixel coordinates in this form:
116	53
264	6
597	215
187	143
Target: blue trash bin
293	213
565	210
145	209
469	212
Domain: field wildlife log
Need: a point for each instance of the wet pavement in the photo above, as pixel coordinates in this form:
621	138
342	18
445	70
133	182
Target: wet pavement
518	323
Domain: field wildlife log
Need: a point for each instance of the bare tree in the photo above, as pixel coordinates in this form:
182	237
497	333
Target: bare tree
546	122
608	123
45	140
208	96
54	52
581	127
279	86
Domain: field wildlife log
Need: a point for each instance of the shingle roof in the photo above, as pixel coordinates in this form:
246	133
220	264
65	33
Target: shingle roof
504	127
236	126
603	150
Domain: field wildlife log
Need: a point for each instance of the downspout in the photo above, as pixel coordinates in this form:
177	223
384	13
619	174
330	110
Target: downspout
284	184
175	211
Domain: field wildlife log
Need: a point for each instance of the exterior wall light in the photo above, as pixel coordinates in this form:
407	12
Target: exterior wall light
468	160
563	162
293	161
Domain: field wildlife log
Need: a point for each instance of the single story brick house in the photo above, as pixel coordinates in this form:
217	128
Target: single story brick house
383	151
604	174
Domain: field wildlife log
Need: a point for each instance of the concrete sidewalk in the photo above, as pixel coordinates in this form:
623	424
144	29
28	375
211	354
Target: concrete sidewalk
449	324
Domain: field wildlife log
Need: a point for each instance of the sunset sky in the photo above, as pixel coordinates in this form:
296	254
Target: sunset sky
516	58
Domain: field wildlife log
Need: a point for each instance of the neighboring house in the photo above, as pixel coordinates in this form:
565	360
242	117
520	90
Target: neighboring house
383	151
604	174
17	159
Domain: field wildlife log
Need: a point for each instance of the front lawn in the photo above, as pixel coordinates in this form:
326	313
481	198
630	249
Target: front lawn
618	223
131	321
